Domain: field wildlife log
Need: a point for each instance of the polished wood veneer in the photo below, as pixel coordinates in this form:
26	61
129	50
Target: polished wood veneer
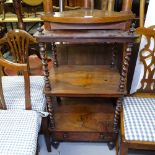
85	80
88	120
87	16
78	117
82	81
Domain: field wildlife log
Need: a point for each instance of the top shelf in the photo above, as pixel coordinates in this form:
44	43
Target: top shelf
95	36
88	16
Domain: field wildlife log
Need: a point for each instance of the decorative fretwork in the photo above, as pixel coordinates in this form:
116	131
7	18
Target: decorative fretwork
19	42
147	58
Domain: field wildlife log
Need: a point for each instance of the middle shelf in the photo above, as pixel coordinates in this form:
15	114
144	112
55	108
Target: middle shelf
85	81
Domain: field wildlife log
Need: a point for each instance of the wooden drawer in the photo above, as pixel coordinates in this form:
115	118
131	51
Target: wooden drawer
82	136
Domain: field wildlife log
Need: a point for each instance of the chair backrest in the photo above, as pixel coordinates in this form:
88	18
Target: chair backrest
17	67
147	58
18	41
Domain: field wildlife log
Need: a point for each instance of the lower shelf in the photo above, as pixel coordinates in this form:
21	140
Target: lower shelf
84	119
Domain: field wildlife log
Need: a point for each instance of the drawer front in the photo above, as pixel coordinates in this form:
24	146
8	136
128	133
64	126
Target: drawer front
82	136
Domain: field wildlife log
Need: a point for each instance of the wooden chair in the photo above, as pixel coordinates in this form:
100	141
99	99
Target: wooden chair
19	41
18	127
137	115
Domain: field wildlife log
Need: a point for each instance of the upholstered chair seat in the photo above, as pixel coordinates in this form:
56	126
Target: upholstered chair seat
139	119
14	92
18	132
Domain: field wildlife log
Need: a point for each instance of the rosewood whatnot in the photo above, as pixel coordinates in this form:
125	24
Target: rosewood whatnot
80	81
84	100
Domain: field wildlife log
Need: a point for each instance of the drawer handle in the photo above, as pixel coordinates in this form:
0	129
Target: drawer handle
102	136
65	135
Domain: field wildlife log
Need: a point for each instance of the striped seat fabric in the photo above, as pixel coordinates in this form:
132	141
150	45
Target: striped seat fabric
13	88
18	132
139	118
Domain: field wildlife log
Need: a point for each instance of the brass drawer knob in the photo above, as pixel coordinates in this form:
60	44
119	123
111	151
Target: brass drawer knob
102	136
65	135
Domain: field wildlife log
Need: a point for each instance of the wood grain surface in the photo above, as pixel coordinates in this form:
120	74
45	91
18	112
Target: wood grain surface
84	115
84	80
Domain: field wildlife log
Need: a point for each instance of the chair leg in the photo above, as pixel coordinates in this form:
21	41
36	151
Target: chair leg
37	153
117	145
46	133
123	149
38	149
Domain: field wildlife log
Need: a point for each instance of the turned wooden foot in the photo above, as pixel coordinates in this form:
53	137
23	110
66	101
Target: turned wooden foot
111	145
55	144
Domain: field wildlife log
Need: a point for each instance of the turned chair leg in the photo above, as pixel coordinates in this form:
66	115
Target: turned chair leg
123	149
